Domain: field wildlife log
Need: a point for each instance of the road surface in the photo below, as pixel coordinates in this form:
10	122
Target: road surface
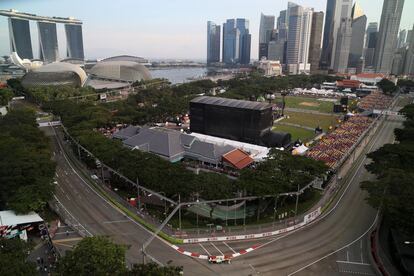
98	217
334	246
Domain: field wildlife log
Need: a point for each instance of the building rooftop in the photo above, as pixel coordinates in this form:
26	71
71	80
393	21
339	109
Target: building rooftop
238	158
173	145
29	16
8	218
231	103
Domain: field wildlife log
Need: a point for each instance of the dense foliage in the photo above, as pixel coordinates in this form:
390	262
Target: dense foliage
93	256
157	104
393	164
26	168
256	85
13	255
387	86
281	172
100	256
6	94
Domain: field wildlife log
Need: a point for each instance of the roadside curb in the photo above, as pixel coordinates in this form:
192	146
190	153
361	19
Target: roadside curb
206	257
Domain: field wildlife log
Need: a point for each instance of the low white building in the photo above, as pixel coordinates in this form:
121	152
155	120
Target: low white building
368	78
270	67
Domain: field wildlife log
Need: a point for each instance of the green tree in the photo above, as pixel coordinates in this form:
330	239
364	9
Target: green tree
387	86
26	168
13	258
393	164
93	256
6	95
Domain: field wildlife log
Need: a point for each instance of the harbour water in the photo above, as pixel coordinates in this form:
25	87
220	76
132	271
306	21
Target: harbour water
179	74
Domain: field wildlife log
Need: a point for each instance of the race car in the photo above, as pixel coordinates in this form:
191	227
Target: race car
219	259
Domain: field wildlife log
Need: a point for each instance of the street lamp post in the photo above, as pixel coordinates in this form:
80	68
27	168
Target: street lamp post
297	201
408	242
139	196
179	212
275	210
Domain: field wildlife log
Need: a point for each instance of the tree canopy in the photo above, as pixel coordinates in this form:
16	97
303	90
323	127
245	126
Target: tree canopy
6	94
26	168
93	256
281	172
393	164
13	258
387	86
100	256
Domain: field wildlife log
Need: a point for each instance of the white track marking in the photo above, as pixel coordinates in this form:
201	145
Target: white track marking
229	247
217	248
204	249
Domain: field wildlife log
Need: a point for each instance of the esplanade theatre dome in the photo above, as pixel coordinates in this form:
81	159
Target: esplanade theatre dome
57	73
120	70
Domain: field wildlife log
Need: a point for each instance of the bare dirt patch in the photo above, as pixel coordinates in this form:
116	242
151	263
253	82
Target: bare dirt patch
309	104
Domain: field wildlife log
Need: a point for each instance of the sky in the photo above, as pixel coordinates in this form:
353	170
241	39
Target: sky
160	28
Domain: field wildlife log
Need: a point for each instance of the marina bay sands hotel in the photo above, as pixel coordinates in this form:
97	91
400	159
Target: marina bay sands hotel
20	39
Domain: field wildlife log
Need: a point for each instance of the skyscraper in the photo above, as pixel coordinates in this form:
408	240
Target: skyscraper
236	41
267	24
315	40
342	35
74	41
387	36
299	32
401	38
409	63
328	35
276	50
359	23
49	51
372	28
20	39
213	42
337	35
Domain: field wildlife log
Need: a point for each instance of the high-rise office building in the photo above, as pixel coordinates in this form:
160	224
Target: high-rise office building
231	42
359	24
402	38
299	32
409	36
74	41
245	40
409	63
276	50
315	40
372	28
20	39
49	51
342	35
267	24
236	41
370	43
387	36
370	50
328	35
213	42
282	19
337	35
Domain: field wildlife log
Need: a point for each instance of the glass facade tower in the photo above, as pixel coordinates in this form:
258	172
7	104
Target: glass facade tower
387	36
74	41
213	42
49	51
20	39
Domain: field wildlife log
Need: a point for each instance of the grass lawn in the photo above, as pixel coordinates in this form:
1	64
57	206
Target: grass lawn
308	103
297	133
311	120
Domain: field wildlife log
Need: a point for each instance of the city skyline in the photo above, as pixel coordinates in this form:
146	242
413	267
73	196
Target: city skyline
141	30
